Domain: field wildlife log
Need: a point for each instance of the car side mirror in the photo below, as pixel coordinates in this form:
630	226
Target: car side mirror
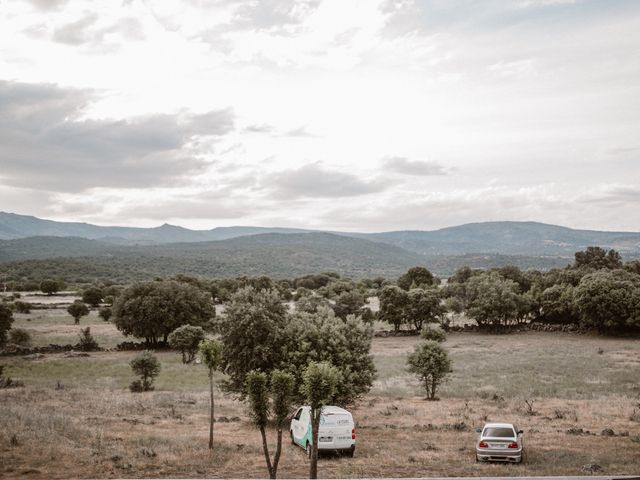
478	430
520	431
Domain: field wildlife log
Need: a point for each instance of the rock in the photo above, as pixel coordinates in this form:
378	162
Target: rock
591	468
222	420
576	431
235	419
607	432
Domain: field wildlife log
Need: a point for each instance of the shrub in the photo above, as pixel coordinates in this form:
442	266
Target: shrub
147	367
6	319
92	296
22	307
105	313
433	332
19	336
87	343
49	286
186	339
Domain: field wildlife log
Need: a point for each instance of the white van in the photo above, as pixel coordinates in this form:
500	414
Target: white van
337	430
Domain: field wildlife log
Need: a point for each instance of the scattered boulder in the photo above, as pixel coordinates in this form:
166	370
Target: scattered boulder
607	432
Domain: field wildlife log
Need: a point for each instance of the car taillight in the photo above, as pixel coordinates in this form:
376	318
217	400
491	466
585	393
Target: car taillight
483	445
513	445
353	434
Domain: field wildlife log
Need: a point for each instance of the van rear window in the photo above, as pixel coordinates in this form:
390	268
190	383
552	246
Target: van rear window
334	419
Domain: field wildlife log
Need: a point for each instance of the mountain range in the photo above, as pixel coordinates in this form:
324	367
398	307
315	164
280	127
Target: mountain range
287	252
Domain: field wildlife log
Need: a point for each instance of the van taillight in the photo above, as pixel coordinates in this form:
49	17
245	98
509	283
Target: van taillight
353	434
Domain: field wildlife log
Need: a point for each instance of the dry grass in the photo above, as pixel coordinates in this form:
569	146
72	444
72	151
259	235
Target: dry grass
94	427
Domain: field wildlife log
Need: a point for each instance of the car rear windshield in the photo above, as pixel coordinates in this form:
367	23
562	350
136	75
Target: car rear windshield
334	419
499	432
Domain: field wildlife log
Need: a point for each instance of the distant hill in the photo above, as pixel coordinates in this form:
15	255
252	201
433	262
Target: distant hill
503	238
277	255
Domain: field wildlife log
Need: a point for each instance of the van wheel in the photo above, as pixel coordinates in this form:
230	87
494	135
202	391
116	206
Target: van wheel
308	449
351	452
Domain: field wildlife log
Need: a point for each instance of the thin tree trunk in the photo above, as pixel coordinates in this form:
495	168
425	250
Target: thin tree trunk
315	424
265	448
212	419
276	457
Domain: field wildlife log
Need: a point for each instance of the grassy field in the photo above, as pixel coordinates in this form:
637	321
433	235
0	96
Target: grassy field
76	418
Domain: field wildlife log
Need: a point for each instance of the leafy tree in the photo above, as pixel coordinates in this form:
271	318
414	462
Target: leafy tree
393	305
311	303
211	355
186	338
318	387
597	258
105	313
6	319
152	310
433	333
92	296
147	367
49	286
557	306
260	387
431	363
252	332
416	277
512	272
322	337
495	302
348	303
22	307
77	309
609	300
424	306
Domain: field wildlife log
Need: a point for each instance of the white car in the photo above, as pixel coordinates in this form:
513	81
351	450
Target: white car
337	430
500	442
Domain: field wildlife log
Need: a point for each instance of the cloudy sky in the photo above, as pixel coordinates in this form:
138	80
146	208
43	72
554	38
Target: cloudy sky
336	114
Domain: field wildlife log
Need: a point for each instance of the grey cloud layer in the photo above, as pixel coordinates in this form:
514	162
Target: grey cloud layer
45	143
407	167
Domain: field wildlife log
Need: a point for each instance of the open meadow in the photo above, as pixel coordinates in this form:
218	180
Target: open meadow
75	417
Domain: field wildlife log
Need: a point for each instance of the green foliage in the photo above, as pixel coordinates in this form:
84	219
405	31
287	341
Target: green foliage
19	336
597	258
49	286
77	309
252	332
348	303
434	333
147	366
152	310
311	303
22	307
393	305
86	341
92	296
424	306
105	313
609	300
416	277
257	388
322	337
6	319
557	305
430	362
211	354
186	338
495	302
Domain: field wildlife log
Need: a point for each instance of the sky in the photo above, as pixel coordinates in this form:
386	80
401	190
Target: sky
349	115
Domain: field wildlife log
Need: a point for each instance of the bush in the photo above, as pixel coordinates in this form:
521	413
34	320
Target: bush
87	343
92	296
433	332
49	287
77	309
147	367
186	339
22	307
6	319
105	313
20	336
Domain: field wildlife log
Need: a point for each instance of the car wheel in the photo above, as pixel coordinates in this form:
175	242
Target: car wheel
521	458
477	459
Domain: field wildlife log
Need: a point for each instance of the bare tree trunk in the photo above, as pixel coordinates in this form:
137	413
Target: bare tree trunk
265	448
315	425
276	457
212	419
